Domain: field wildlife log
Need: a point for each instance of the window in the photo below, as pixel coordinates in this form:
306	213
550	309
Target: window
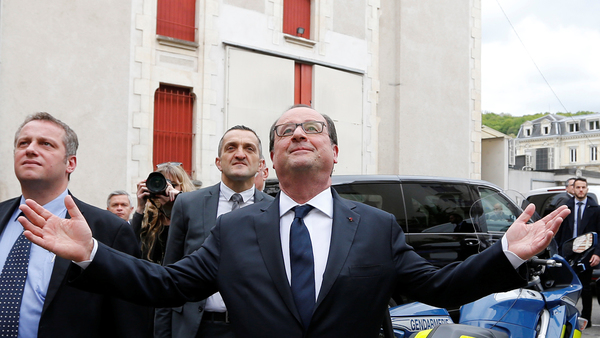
573	155
176	19
545	130
593	125
573	127
527	131
296	18
593	153
173	119
303	84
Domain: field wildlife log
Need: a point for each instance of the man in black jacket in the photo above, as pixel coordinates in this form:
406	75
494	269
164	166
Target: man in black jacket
584	218
44	158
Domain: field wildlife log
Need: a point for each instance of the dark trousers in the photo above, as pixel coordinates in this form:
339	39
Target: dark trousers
586	294
214	329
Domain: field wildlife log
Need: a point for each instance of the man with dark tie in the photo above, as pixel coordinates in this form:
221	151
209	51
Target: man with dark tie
308	264
36	301
194	214
584	218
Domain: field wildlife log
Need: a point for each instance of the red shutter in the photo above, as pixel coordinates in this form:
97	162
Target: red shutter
173	118
296	13
176	19
303	84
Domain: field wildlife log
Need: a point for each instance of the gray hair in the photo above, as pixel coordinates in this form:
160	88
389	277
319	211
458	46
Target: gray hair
70	140
118	193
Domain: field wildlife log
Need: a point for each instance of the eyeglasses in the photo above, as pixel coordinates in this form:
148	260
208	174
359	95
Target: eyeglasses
309	127
175	164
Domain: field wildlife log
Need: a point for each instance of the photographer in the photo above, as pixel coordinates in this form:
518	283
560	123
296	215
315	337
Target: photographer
153	213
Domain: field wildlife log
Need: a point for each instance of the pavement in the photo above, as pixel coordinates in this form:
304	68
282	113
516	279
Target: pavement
593	331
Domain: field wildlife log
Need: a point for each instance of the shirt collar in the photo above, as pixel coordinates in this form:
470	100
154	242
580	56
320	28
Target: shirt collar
584	201
56	206
227	192
323	202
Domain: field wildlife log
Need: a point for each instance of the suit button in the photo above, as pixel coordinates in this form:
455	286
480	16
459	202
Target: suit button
200	309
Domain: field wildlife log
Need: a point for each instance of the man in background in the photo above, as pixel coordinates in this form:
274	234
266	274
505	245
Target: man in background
584	218
119	203
261	175
194	214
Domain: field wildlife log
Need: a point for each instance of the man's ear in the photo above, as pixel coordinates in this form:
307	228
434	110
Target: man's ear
336	150
218	163
273	163
71	164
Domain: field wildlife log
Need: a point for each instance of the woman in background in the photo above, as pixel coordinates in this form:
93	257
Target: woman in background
153	214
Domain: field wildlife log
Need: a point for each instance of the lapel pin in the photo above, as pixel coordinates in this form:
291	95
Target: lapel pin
350	219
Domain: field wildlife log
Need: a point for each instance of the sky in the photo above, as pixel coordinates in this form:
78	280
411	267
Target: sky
563	39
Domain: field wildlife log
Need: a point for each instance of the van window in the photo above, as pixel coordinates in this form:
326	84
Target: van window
385	196
436	207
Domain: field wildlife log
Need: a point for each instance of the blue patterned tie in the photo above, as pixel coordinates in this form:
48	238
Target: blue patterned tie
302	265
12	281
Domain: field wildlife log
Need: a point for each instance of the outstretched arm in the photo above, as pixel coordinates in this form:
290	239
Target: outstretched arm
526	240
68	238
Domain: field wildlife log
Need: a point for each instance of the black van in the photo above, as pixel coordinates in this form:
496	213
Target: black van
445	219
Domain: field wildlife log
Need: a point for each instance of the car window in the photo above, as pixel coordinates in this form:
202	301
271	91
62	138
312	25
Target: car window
385	196
436	207
494	211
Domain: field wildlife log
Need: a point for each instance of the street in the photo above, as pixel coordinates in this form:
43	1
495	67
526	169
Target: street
593	331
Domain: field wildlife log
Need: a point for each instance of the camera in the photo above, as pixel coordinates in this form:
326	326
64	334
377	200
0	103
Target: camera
156	184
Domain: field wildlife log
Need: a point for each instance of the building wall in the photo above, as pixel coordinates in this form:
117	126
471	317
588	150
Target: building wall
429	107
400	78
71	59
495	167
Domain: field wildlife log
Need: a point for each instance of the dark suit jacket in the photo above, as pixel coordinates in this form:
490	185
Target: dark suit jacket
368	260
590	222
194	214
69	312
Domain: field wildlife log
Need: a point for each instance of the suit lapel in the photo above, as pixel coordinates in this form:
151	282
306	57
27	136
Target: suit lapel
269	241
59	270
345	223
587	215
6	212
211	205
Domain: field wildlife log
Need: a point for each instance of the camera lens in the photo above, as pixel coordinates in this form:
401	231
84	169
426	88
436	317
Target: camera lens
156	183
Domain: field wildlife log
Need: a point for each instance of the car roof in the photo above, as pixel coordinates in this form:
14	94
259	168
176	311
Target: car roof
592	189
344	179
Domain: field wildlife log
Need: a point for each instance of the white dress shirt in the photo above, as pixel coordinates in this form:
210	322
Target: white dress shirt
215	302
319	222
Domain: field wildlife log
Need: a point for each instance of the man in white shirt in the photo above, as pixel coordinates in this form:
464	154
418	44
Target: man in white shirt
332	276
194	214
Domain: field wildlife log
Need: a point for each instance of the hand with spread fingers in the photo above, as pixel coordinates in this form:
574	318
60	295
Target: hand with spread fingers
528	239
68	238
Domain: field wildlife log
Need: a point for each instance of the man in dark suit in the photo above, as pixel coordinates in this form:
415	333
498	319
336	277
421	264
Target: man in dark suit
44	158
563	197
194	215
584	218
308	264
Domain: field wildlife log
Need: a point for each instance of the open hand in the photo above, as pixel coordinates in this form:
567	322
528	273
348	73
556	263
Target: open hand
68	238
526	240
